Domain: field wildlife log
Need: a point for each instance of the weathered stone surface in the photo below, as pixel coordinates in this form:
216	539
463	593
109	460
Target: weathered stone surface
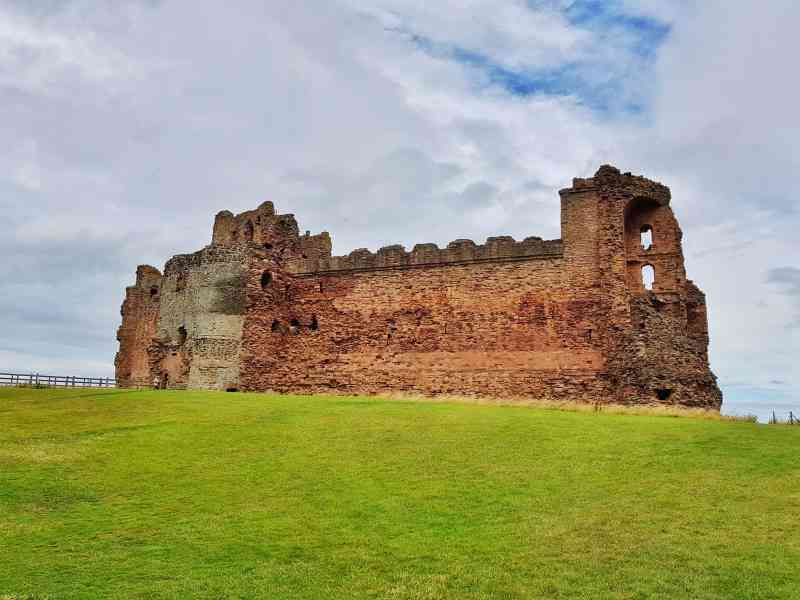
139	317
265	308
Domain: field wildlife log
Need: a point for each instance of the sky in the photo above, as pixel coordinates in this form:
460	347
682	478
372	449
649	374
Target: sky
125	125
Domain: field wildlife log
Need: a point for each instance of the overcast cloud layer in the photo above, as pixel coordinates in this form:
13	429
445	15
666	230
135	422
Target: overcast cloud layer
125	125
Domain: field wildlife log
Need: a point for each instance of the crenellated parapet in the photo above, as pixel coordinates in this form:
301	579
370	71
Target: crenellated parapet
461	251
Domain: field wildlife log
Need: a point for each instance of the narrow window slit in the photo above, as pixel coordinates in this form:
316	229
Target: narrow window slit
647	237
648	277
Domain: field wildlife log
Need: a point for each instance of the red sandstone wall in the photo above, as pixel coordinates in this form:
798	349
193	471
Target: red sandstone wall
495	329
558	320
139	318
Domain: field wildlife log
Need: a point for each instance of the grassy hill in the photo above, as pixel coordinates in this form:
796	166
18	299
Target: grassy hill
118	494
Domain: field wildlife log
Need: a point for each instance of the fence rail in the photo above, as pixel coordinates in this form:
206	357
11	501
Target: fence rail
37	379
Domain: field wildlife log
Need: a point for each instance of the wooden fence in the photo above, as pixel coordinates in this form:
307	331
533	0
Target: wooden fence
792	420
39	380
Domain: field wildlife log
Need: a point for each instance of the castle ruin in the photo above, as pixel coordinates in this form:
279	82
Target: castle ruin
266	308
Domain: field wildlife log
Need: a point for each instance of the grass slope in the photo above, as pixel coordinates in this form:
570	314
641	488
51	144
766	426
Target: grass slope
115	494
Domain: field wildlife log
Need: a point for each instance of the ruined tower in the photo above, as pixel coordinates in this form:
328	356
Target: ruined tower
266	308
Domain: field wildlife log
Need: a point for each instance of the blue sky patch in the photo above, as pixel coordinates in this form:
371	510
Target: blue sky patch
605	88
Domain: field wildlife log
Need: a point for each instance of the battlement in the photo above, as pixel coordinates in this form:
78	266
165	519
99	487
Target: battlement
459	251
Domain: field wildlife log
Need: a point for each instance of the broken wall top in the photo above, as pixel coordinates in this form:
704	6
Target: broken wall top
610	181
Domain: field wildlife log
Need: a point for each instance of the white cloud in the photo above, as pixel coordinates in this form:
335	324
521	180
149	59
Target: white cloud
35	57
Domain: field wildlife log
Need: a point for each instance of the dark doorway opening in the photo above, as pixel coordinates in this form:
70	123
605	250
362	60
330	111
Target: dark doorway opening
663	394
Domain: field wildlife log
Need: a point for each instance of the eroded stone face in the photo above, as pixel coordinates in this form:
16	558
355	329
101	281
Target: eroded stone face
266	308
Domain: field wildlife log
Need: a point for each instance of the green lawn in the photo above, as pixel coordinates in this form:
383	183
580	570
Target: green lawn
117	494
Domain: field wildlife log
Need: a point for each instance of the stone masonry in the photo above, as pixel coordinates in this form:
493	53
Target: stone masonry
266	308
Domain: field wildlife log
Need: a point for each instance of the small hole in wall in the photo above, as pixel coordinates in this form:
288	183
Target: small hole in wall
153	291
268	246
663	394
276	326
646	236
266	279
314	323
648	277
182	335
294	326
231	389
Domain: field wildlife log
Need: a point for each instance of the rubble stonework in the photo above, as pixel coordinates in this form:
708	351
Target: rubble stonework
266	308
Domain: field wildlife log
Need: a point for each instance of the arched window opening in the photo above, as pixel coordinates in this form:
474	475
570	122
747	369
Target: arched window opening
314	323
182	335
266	279
294	326
276	326
248	232
153	292
647	237
648	277
321	287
